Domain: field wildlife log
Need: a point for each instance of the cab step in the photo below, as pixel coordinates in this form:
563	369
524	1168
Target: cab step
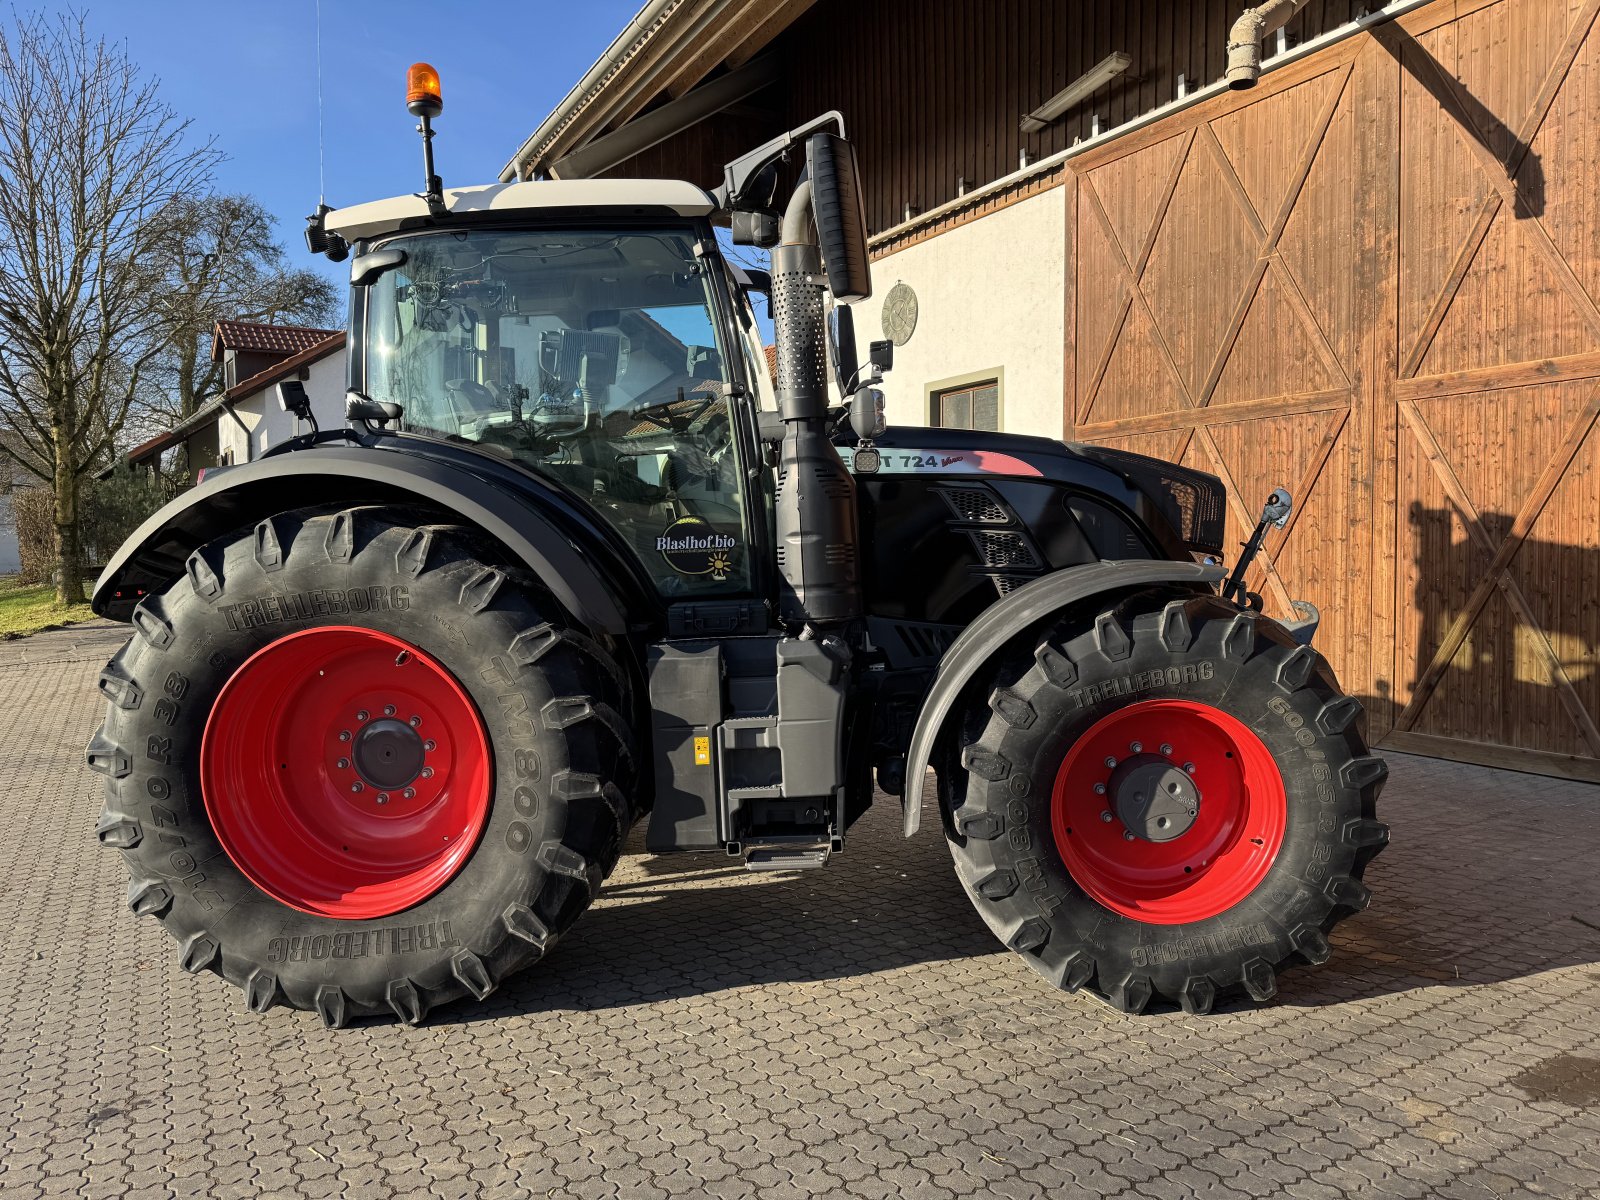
800	853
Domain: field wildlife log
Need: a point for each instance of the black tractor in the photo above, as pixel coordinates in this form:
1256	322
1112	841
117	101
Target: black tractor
396	693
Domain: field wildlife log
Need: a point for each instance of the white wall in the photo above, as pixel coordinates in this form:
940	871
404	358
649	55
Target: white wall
990	295
265	424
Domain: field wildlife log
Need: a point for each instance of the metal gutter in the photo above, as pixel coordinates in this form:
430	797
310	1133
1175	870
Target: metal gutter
644	25
659	124
1045	165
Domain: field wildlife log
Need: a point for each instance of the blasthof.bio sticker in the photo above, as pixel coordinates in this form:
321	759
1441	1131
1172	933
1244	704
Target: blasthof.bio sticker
693	547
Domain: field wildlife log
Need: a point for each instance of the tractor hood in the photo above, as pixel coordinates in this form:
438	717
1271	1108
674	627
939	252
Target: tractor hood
1190	504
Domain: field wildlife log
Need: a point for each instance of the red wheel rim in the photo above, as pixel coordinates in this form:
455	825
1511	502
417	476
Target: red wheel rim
1215	862
345	772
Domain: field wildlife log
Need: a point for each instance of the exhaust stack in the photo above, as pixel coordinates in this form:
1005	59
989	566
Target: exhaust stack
1244	40
815	505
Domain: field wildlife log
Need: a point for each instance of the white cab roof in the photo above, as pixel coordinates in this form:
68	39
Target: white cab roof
385	216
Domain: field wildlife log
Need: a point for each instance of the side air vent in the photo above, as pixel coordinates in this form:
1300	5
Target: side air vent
975	505
1003	550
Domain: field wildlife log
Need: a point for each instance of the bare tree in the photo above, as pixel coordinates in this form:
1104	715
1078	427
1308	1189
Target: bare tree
89	160
222	263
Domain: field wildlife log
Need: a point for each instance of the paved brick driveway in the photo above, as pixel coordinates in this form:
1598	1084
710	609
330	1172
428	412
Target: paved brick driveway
850	1032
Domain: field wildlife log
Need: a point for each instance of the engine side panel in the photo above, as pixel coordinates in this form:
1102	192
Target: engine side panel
955	521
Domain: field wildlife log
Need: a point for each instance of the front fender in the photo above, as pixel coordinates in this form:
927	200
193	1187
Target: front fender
243	495
1004	620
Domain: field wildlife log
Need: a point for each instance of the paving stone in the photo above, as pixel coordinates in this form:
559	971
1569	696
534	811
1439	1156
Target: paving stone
852	1032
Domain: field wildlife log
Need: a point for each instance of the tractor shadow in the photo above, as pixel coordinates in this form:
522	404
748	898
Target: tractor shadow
1488	879
668	927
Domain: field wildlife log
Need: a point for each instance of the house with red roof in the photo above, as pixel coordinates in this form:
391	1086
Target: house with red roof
245	419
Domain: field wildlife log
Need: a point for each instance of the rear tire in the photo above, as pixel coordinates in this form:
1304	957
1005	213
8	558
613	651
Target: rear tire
1041	815
546	809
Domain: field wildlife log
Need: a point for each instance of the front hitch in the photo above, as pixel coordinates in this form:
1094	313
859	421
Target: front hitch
1274	513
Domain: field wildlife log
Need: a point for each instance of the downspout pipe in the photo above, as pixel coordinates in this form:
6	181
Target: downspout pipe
1249	31
249	444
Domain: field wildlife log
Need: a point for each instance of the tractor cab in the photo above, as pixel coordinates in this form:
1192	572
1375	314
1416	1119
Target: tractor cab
602	346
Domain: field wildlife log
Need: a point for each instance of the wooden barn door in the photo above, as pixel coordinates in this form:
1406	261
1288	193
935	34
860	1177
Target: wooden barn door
1374	280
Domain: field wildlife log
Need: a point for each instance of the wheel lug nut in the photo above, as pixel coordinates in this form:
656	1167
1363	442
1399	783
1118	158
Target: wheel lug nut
383	797
430	744
1099	789
1166	748
1105	816
358	786
415	721
388	710
1127	835
1137	747
1189	768
427	772
410	793
1110	762
344	735
363	715
343	764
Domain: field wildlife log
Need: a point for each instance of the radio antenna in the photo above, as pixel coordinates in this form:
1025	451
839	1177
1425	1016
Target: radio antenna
322	169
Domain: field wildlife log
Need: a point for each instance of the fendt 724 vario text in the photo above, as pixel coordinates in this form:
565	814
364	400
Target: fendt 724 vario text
396	693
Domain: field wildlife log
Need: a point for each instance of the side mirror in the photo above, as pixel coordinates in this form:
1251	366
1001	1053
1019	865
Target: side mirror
757	280
881	355
842	335
359	408
364	268
841	216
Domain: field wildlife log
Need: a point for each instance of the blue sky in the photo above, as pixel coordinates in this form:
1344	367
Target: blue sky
246	74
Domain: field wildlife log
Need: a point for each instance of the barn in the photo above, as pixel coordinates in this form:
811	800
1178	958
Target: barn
1373	279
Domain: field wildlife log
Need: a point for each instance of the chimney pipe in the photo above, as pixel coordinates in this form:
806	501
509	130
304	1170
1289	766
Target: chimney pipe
1244	40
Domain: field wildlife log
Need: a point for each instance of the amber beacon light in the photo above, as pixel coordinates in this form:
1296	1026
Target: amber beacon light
423	97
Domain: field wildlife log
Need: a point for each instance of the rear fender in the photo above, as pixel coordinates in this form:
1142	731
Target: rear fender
1002	621
158	550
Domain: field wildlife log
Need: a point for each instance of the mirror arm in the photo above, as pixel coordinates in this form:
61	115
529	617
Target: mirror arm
736	176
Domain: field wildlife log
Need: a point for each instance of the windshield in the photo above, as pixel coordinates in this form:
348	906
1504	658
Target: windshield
590	356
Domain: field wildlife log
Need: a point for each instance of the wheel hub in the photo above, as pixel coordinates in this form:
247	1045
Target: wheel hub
388	754
1155	799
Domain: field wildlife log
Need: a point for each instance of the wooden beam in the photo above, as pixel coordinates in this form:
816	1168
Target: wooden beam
1487	754
1226	414
783	16
1498	378
737	24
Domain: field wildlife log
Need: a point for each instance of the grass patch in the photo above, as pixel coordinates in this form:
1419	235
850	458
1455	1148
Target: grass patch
28	608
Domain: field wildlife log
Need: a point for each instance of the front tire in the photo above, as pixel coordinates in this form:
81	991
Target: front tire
357	765
1173	804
